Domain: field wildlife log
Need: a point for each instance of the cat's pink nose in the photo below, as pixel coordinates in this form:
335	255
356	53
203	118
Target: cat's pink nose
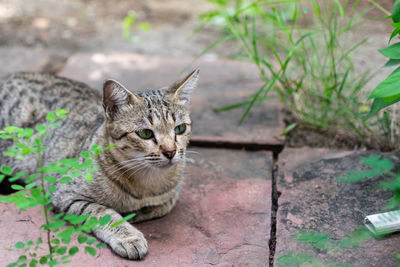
169	153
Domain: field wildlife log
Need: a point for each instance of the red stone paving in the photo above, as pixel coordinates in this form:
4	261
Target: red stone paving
222	83
222	217
312	199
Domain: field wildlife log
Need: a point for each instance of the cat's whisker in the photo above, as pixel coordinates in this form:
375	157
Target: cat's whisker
122	165
190	160
143	167
126	161
126	172
130	167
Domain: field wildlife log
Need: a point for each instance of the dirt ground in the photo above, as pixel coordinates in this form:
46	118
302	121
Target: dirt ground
65	27
68	26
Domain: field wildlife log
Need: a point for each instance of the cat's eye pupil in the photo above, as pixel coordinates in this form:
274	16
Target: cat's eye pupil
180	129
145	134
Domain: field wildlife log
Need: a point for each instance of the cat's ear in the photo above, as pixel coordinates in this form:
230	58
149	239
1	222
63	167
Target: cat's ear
180	91
116	97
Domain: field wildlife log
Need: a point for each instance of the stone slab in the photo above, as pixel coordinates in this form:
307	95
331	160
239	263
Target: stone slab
14	59
222	217
312	199
222	83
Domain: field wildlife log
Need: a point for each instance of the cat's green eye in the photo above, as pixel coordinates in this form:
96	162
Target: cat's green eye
145	134
180	129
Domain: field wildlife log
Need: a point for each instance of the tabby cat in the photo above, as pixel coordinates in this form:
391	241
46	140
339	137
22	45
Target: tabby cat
142	173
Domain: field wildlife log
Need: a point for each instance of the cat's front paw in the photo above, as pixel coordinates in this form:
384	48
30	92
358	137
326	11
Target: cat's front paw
132	246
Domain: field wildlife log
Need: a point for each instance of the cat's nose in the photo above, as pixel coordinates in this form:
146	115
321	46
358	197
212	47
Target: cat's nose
169	153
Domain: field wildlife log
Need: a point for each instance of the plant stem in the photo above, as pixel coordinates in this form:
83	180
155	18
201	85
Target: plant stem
40	164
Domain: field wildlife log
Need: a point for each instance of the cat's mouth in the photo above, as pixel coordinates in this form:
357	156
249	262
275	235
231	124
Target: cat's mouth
165	164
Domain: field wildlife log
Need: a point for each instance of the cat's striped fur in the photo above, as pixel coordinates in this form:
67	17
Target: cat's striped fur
137	175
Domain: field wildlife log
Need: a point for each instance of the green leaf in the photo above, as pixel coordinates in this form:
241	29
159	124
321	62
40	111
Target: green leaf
55	225
61	250
85	154
396	12
50	117
392	51
55	124
389	87
298	259
19	245
91	240
355	239
60	112
357	175
41	128
37	142
27	132
52	262
66	234
13	179
392	62
288	129
89	225
50	179
127	24
6	170
76	219
26	151
380	104
60	170
85	164
65	180
109	147
101	245
105	219
12	129
30	185
72	162
40	149
90	250
126	218
33	263
317	240
378	163
31	178
144	26
39	241
1	177
22	258
55	241
88	177
82	238
96	149
72	251
17	187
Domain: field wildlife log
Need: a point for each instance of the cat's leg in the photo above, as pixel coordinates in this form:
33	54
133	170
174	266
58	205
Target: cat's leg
151	212
124	239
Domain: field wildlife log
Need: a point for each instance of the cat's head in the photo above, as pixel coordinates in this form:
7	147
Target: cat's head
151	128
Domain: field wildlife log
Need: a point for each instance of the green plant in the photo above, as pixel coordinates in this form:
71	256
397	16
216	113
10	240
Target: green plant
387	92
300	51
324	242
64	227
128	24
